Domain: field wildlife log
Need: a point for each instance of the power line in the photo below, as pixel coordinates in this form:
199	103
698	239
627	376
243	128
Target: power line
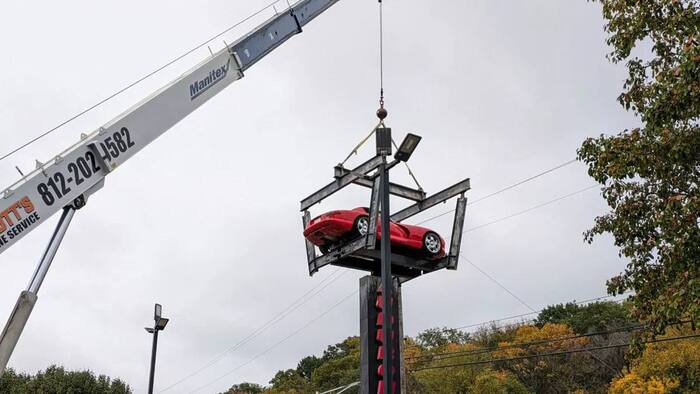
560	353
498	283
314	320
446	355
138	81
303	299
538	206
505	189
529	314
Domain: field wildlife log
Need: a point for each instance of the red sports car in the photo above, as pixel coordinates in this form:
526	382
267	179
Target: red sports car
333	228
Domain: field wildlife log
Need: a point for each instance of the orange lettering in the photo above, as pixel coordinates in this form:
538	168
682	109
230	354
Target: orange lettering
27	204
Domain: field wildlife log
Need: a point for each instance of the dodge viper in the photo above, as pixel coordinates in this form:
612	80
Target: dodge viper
336	227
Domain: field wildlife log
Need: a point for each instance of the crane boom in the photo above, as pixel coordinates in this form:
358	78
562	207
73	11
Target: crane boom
82	167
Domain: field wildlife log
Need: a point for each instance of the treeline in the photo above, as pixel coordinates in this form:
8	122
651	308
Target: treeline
548	355
56	380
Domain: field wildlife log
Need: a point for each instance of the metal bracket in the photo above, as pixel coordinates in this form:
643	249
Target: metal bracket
373	216
395	189
310	248
457	230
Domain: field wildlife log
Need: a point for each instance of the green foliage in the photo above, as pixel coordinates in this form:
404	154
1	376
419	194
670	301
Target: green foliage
339	365
664	367
308	365
56	380
439	337
597	316
245	388
290	381
651	175
494	382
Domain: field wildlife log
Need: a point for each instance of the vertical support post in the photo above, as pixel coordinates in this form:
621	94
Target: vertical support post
387	283
384	150
373	209
457	230
369	347
310	249
371	323
154	349
27	299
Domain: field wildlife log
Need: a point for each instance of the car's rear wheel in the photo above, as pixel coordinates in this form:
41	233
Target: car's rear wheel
361	226
432	243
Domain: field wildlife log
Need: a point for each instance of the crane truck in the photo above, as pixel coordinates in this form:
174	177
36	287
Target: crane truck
65	182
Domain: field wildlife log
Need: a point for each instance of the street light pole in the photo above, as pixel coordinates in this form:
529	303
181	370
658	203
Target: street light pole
159	325
153	361
384	149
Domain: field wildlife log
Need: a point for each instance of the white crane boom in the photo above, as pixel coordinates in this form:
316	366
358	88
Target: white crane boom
70	177
72	173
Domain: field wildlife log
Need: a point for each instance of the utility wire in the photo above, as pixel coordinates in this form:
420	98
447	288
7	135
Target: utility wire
538	206
281	315
528	314
498	283
446	355
505	189
560	353
314	320
138	81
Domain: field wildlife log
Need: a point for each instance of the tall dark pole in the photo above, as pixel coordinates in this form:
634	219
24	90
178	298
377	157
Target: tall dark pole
160	323
153	360
384	149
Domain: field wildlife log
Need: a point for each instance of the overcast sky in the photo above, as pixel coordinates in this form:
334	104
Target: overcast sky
206	221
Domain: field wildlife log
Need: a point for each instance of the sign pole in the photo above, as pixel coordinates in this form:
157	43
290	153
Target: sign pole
384	150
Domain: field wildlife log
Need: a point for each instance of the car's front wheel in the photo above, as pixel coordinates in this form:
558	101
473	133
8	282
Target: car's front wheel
361	226
432	243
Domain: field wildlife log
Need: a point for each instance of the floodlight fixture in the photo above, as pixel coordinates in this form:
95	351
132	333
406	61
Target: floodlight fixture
161	323
407	147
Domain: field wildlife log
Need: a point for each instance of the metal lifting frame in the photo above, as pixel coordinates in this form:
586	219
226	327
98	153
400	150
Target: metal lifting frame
361	253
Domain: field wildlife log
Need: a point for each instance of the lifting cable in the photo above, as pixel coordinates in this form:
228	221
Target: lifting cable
382	113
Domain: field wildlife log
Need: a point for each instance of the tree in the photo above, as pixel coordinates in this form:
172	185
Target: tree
439	337
597	316
559	374
55	380
495	382
341	365
290	381
672	366
651	174
245	388
308	365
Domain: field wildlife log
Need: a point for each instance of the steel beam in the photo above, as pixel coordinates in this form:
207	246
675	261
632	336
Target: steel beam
373	212
274	32
431	201
310	248
341	182
457	229
395	189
